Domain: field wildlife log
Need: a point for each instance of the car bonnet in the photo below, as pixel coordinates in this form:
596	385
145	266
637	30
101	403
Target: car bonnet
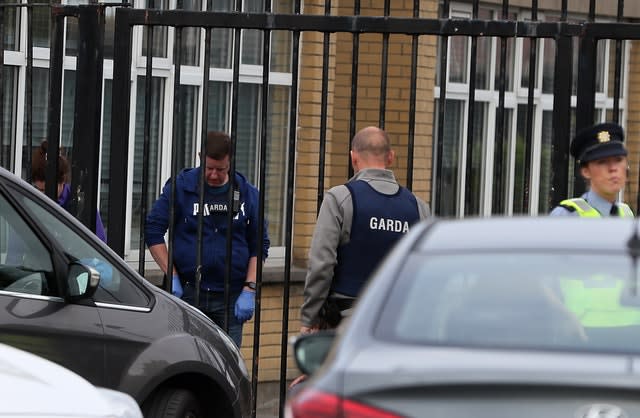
32	385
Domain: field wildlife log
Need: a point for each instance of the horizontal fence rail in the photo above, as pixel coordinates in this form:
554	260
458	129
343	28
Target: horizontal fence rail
568	38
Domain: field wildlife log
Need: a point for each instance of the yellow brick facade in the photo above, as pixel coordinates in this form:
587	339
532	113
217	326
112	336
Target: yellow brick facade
339	104
338	99
271	314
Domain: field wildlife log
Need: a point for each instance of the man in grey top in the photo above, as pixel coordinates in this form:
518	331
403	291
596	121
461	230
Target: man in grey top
358	222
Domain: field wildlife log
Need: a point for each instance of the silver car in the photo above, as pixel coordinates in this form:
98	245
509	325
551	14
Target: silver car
33	387
497	317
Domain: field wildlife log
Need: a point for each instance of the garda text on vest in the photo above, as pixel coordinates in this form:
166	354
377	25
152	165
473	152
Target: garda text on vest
210	208
391	225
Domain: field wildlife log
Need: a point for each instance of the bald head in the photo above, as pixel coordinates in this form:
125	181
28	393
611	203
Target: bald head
371	148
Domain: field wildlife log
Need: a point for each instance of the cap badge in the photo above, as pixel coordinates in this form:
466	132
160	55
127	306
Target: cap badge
603	136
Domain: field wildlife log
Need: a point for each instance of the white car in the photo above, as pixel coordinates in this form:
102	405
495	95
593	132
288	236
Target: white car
35	387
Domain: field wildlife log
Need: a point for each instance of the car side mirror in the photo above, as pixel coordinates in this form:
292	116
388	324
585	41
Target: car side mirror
82	281
310	350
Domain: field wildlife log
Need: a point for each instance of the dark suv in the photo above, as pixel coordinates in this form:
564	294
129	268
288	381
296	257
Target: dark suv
65	296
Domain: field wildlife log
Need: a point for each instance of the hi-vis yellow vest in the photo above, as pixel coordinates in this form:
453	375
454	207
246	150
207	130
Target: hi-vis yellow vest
585	210
596	300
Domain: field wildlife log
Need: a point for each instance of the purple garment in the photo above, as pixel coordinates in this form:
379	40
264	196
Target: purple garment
63	200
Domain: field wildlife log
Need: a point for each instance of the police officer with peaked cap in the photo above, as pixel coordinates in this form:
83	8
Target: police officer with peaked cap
602	158
595	299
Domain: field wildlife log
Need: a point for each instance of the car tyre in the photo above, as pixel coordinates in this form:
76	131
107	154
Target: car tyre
173	403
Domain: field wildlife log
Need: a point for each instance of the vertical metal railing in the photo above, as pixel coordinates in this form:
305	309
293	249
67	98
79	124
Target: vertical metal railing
88	113
56	54
177	141
120	108
28	95
499	186
264	138
146	145
412	99
585	105
563	86
470	207
384	69
232	168
618	67
323	109
438	149
353	111
528	142
201	181
2	75
293	121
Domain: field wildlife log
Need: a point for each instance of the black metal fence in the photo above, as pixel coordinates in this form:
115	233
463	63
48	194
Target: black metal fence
89	87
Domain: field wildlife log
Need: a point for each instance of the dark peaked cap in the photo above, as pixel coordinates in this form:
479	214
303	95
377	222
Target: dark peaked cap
598	141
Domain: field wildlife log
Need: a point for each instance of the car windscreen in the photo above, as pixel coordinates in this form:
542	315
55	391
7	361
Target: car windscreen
526	300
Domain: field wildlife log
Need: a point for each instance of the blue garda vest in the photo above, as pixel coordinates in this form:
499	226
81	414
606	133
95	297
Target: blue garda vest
379	220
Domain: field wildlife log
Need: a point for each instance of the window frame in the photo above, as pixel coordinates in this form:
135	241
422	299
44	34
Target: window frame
542	101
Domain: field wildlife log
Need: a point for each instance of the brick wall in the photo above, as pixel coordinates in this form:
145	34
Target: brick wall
339	81
339	97
271	312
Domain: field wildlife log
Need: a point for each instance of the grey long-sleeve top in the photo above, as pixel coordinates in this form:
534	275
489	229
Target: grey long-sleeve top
333	228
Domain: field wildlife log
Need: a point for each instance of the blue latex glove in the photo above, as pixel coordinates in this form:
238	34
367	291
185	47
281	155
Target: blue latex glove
105	270
176	286
245	305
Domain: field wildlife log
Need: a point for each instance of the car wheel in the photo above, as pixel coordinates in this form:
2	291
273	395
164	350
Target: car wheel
173	403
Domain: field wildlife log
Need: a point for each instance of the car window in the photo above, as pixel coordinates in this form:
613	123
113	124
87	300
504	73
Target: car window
517	300
25	263
114	286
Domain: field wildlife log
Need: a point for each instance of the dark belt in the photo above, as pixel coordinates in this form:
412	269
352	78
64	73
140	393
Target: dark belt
203	289
343	303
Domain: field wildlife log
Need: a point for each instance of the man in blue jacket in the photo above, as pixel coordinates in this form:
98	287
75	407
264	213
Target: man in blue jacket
244	245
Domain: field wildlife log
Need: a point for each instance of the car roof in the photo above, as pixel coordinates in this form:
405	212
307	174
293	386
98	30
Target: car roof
11	176
527	233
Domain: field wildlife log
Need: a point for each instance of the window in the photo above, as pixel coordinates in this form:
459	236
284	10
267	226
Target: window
12	29
450	175
250	124
9	107
516	177
572	301
114	287
153	155
26	265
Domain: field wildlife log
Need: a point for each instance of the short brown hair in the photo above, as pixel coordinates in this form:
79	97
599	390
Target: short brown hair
218	145
39	165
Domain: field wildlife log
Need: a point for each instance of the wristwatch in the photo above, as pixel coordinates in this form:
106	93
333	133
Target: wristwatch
250	285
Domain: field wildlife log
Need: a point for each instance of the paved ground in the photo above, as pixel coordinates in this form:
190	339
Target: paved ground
268	400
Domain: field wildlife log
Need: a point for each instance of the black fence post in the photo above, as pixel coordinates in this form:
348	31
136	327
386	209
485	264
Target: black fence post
88	109
585	107
119	131
561	120
56	52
